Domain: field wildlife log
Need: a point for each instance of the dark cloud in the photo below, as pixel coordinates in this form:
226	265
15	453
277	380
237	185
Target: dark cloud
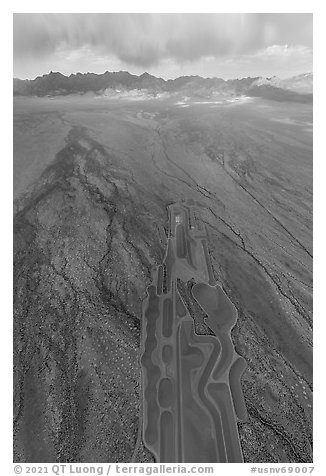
145	39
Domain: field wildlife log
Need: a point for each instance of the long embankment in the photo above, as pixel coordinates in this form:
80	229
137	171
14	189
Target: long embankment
192	398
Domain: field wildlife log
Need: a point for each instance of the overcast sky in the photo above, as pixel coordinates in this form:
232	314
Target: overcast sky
166	45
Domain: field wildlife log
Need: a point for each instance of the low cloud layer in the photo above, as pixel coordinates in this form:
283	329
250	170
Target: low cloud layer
147	40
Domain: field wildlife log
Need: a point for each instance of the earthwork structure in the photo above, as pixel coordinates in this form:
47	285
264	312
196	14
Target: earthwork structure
192	398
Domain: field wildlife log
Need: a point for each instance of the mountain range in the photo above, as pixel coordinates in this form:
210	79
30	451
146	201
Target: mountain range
295	89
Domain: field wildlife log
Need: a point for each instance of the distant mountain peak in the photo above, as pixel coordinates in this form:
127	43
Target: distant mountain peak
55	74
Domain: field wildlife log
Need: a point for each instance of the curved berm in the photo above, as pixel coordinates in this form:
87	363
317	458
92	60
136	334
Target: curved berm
192	397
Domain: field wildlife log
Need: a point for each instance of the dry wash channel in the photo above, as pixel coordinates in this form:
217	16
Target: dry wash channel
192	397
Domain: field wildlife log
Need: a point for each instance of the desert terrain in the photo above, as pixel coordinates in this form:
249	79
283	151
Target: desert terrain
93	179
